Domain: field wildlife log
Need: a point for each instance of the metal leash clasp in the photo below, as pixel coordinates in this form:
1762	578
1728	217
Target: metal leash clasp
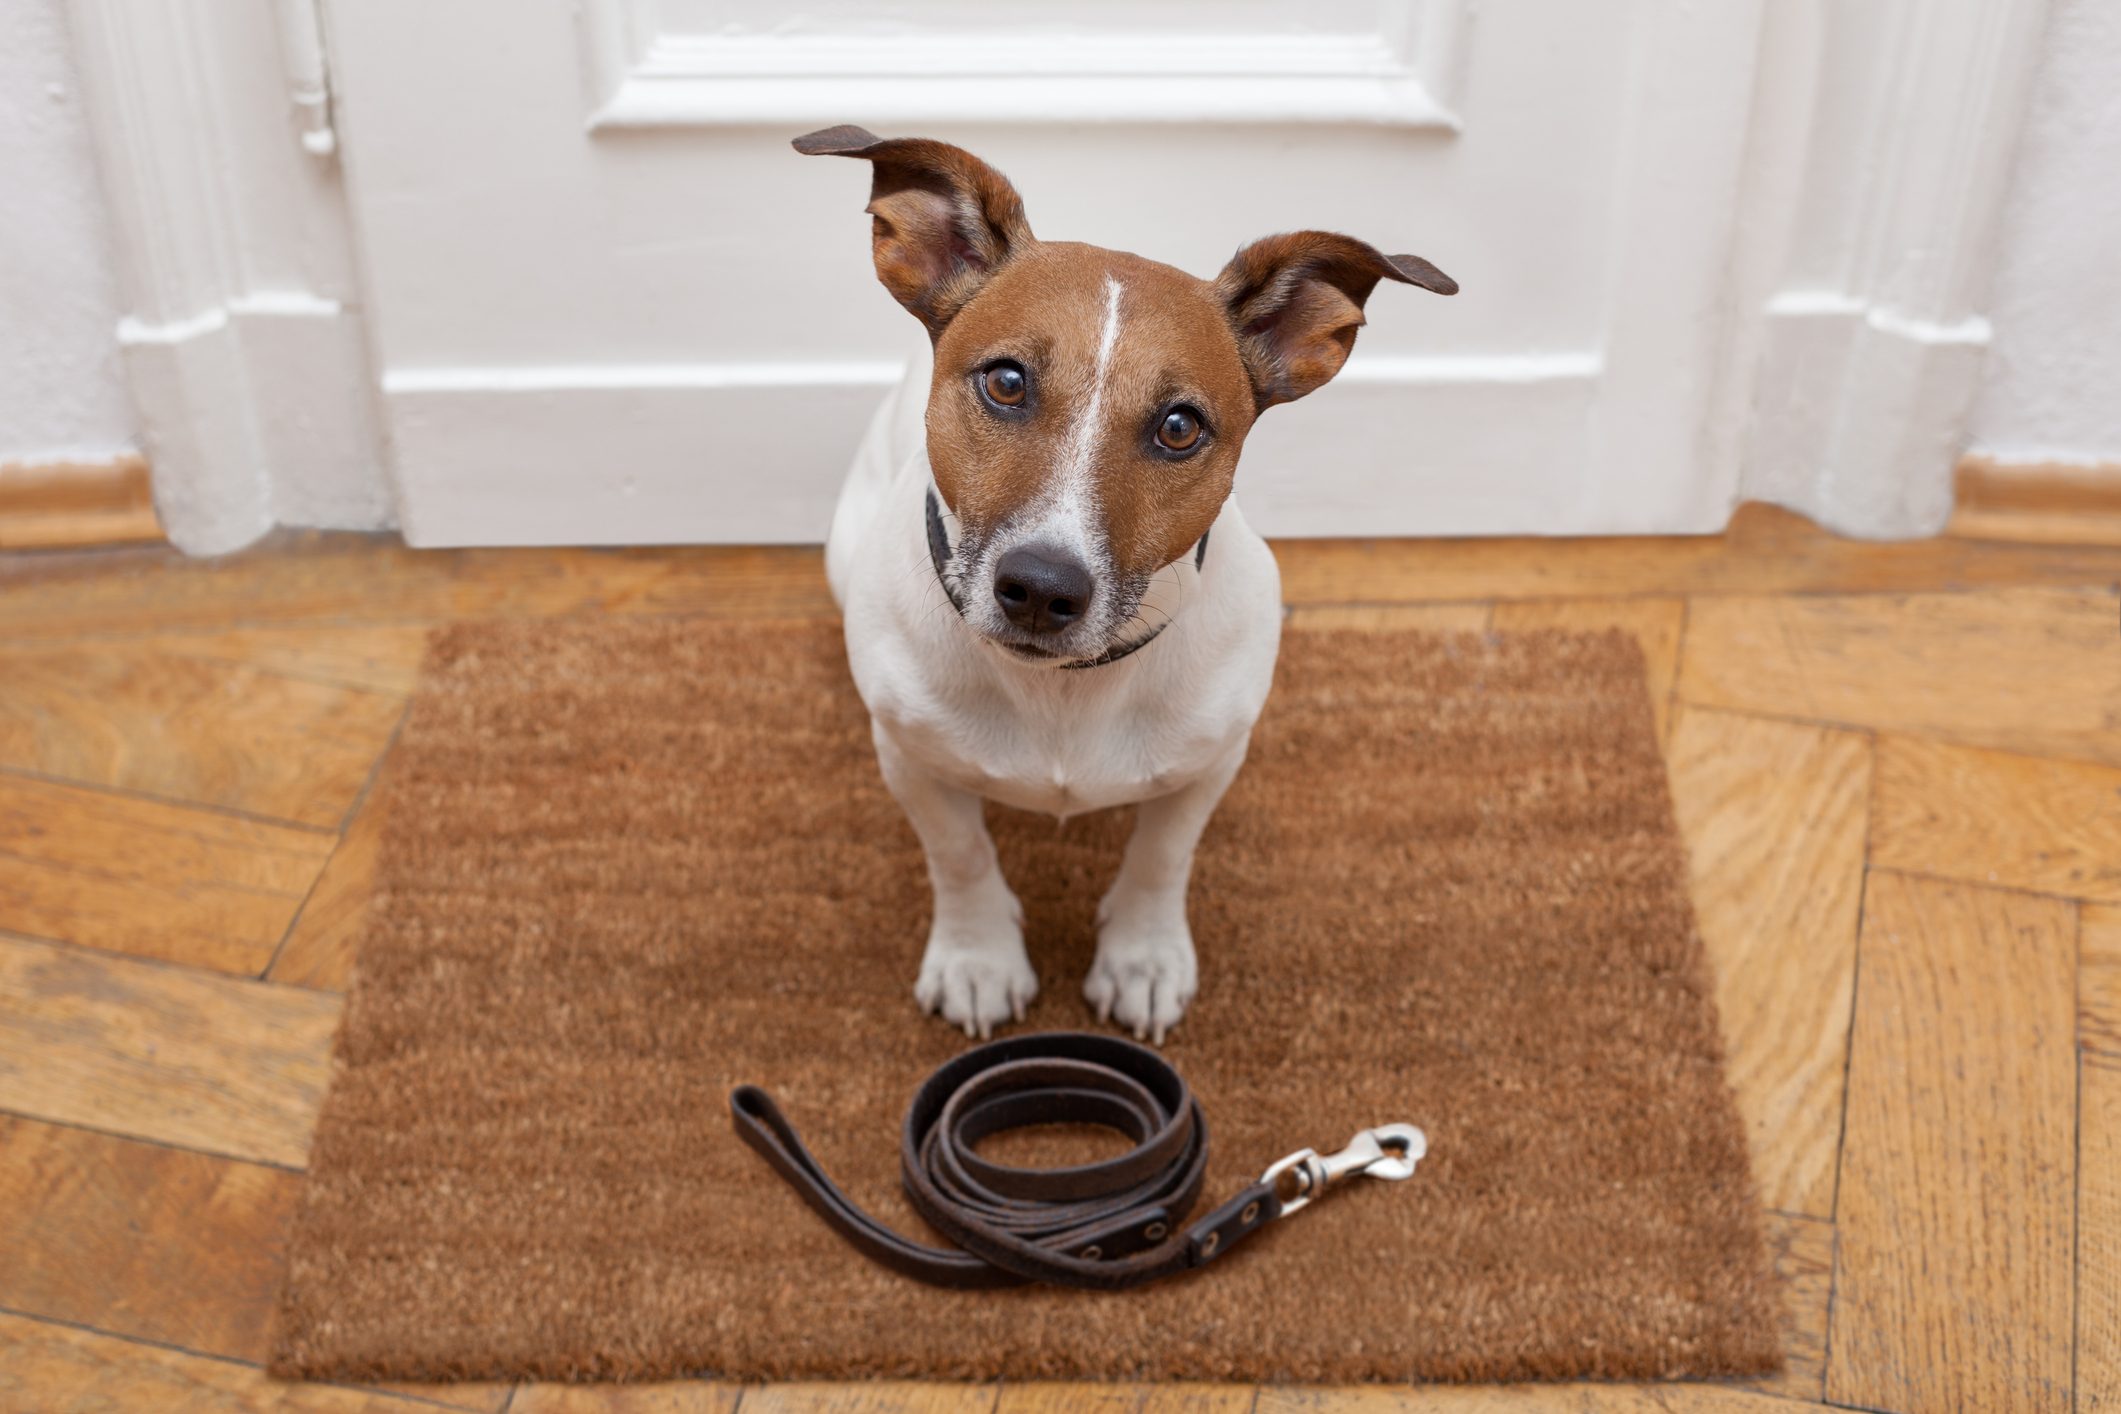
1389	1151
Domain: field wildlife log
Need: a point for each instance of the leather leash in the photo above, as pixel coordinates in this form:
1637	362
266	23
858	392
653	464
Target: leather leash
1104	1225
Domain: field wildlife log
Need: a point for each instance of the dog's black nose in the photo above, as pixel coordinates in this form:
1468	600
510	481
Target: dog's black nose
1041	589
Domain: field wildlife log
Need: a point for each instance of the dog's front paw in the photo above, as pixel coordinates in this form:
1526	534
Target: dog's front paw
975	971
1144	975
976	987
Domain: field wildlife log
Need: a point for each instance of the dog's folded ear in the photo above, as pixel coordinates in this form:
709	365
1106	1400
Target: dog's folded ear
1296	301
944	220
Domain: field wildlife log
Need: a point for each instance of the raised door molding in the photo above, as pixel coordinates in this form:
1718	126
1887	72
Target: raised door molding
573	454
652	63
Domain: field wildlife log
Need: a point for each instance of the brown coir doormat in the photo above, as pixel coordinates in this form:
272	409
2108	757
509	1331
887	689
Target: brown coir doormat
630	865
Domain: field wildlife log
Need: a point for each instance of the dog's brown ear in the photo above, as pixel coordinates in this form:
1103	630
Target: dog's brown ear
944	220
1296	301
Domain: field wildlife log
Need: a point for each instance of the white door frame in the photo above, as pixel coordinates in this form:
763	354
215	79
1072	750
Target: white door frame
242	338
1875	185
1842	337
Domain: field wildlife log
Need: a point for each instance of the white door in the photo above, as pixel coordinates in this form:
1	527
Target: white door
609	304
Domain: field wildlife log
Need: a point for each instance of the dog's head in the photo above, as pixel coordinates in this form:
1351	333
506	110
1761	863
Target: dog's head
1089	406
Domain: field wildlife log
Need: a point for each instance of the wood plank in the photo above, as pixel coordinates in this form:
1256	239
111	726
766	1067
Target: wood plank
153	1243
869	1397
309	577
1065	1398
1766	550
204	733
2099	978
71	504
1774	816
2030	670
77	527
320	951
479	1398
1952	1285
684	1397
138	876
380	657
1655	623
1994	817
141	1240
48	1367
1803	1251
2049	503
158	1052
2099	1237
1523	1399
1425	618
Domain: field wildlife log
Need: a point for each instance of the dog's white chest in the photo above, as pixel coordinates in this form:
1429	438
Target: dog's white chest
1057	741
1074	757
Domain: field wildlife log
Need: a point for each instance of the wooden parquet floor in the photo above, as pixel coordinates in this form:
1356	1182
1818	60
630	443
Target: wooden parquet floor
1898	768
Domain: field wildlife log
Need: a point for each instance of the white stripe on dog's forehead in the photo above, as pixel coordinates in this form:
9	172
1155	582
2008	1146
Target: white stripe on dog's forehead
1071	497
1079	451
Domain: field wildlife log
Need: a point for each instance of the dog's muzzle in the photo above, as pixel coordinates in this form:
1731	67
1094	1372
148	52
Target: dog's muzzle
941	554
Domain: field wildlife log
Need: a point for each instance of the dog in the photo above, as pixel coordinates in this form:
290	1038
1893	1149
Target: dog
1050	598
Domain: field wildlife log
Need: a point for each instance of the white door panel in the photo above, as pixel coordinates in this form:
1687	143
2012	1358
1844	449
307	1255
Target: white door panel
610	305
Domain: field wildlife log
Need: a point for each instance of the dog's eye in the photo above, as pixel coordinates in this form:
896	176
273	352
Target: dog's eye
1005	385
1179	431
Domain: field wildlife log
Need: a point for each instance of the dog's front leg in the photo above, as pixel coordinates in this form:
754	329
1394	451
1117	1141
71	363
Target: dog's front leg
1145	973
975	971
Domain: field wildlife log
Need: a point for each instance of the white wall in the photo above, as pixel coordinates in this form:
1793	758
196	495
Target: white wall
2052	390
62	396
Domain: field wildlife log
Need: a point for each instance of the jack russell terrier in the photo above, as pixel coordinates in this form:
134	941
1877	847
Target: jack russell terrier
1050	598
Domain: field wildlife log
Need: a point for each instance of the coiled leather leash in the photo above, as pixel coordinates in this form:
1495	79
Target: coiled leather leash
1104	1225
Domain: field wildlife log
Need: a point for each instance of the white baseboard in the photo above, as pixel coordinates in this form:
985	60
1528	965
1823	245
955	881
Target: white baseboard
257	412
754	453
1860	412
670	454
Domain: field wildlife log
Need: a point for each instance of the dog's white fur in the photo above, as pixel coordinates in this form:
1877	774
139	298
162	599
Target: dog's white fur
957	717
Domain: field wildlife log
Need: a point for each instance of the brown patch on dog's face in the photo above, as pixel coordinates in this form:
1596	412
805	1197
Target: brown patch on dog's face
1134	404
